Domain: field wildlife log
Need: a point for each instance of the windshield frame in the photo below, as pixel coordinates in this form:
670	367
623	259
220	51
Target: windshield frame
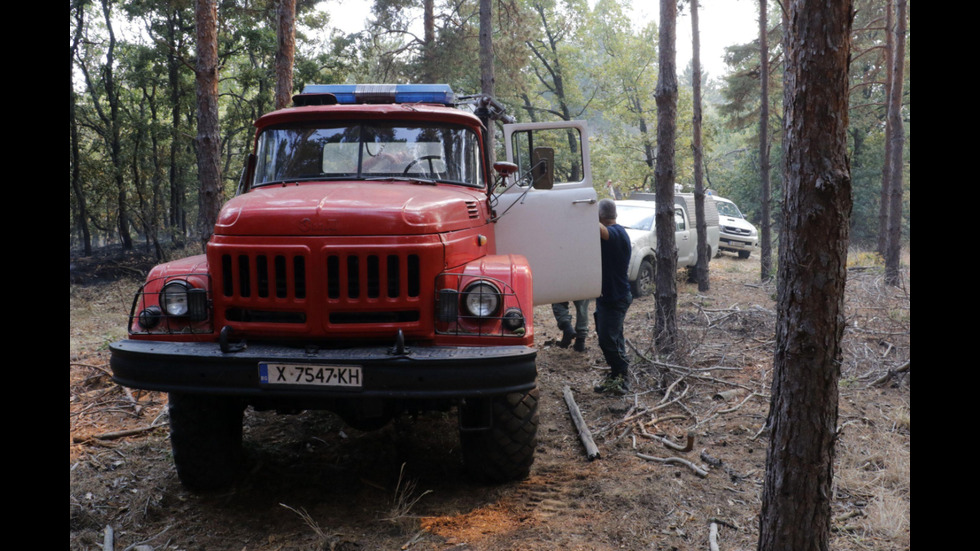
453	154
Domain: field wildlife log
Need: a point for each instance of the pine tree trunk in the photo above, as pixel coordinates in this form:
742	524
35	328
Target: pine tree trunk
896	143
796	497
765	240
666	97
487	80
286	35
700	223
208	136
886	170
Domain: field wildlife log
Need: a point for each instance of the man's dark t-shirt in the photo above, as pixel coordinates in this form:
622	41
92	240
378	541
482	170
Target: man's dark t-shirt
615	263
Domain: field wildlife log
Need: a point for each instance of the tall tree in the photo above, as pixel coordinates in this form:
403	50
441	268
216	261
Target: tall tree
285	50
486	65
765	239
622	63
552	67
208	136
701	268
77	10
812	271
886	171
666	98
896	143
110	130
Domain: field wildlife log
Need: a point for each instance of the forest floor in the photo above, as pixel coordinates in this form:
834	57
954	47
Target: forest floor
313	484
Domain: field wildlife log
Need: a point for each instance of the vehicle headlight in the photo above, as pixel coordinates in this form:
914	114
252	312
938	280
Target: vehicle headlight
481	299
173	298
181	299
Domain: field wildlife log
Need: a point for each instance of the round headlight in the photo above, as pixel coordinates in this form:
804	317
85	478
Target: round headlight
481	299
173	298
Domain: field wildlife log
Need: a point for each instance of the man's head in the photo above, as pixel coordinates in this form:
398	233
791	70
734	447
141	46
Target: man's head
607	211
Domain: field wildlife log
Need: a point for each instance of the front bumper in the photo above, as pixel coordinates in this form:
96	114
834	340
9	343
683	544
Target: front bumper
419	373
727	242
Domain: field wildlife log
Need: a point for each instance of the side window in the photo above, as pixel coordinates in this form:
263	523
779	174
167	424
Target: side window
679	222
564	141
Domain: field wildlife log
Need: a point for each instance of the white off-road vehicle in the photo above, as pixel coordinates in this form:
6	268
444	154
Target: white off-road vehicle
637	216
737	234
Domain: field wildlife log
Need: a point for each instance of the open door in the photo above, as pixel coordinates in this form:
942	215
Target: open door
557	229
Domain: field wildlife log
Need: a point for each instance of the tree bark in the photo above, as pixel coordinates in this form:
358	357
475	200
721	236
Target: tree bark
796	497
887	168
666	96
208	136
703	256
895	144
429	37
765	239
487	80
286	34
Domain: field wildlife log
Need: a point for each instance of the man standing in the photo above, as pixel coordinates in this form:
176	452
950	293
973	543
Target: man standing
564	319
611	306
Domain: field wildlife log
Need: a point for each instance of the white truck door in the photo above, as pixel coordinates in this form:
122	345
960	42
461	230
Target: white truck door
685	238
556	229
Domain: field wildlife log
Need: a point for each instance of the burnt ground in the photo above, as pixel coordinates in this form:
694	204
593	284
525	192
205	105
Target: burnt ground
311	483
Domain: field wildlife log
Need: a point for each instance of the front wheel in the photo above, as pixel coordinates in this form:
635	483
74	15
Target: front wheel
505	451
644	284
206	439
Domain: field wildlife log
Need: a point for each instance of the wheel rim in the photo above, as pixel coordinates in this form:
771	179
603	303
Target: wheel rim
646	280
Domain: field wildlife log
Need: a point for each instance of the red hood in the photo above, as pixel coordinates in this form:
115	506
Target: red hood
351	208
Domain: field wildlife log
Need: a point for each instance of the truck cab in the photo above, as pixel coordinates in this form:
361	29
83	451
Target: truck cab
359	269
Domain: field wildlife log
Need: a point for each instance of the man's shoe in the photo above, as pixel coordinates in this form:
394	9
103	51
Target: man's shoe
567	335
579	344
613	385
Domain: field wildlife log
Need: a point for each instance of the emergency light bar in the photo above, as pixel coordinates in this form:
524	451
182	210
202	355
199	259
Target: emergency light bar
385	93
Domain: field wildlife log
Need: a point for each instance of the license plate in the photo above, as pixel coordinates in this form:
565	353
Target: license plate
342	376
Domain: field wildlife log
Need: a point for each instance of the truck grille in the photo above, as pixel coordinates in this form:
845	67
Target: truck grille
735	231
349	276
334	290
280	276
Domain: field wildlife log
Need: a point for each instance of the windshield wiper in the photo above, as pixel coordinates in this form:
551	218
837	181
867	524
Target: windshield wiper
312	178
411	179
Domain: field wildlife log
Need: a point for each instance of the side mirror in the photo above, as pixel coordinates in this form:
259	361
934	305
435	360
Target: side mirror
504	168
543	167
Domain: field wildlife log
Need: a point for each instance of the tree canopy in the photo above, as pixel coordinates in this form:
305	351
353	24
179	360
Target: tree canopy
134	142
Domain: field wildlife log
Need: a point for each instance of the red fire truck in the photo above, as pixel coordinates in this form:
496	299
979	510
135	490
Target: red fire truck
373	262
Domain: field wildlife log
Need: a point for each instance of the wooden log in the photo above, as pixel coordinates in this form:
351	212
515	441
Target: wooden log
584	434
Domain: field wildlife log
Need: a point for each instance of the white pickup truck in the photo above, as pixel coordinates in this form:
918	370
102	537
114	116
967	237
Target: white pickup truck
637	216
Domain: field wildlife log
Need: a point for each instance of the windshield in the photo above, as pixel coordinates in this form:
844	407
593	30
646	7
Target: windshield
727	208
368	151
635	218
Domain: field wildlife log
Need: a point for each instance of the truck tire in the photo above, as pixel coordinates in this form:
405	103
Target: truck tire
744	254
644	283
505	451
206	439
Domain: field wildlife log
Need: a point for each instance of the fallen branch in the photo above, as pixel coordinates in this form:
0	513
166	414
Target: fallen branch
892	372
675	461
718	463
668	443
713	537
92	366
124	433
591	450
